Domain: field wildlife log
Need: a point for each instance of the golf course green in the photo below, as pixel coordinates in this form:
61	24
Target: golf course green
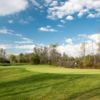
45	82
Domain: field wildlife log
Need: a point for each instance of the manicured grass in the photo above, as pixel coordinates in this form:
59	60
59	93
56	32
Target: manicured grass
44	82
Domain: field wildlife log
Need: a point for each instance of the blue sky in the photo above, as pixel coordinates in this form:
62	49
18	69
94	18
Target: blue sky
25	23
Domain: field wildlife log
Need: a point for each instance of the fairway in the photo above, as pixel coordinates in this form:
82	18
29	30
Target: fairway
44	82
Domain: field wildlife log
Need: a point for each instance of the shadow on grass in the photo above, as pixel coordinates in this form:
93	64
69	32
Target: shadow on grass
86	94
35	82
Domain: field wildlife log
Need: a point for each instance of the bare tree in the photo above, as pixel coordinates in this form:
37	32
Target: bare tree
98	50
83	50
2	55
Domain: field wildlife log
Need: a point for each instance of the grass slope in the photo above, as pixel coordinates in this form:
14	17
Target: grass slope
45	82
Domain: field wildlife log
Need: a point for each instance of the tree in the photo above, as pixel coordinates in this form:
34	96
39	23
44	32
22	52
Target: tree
35	57
54	56
83	50
98	50
86	61
12	59
2	55
20	58
44	55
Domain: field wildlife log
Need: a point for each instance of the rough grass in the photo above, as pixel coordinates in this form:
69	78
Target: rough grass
45	82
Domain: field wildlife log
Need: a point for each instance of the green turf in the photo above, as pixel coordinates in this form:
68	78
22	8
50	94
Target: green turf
45	82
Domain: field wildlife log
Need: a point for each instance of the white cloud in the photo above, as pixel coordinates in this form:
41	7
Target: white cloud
95	37
69	41
48	1
69	18
22	39
25	41
23	44
5	31
82	12
8	7
3	46
62	21
35	3
22	21
70	49
44	3
47	29
27	47
75	50
18	35
91	37
17	48
71	7
26	20
10	21
91	15
59	25
54	3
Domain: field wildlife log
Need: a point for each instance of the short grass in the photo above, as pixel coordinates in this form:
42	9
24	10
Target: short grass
44	82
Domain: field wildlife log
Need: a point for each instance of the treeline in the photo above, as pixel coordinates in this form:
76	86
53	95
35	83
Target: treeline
45	55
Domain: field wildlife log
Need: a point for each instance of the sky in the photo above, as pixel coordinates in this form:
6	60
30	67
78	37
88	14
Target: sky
68	23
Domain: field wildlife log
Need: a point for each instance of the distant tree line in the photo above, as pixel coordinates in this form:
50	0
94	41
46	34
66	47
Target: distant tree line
45	55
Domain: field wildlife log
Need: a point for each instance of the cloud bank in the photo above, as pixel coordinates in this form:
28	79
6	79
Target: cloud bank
75	49
8	7
55	9
90	8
